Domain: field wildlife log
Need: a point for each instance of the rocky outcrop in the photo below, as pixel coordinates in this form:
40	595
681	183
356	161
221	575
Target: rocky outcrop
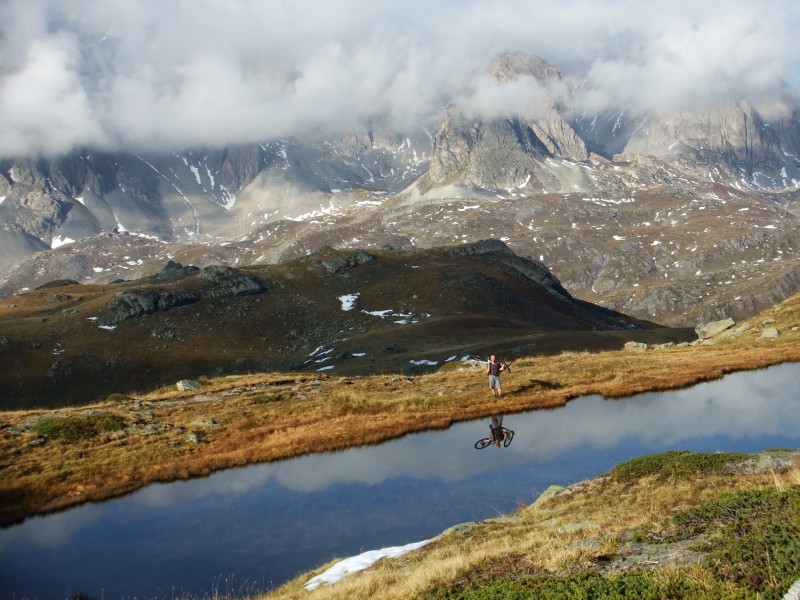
227	282
173	271
130	304
332	262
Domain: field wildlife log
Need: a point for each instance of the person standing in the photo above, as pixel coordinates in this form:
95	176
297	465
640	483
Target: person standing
493	369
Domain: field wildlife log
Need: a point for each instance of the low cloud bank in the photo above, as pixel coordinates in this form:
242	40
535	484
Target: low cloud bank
152	75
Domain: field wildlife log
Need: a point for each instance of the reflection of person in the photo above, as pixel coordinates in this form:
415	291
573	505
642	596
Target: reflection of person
493	369
496	433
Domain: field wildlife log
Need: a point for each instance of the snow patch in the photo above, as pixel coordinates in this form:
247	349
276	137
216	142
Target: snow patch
354	564
348	301
196	172
107	327
58	241
431	363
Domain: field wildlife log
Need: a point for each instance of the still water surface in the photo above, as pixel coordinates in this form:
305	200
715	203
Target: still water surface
252	528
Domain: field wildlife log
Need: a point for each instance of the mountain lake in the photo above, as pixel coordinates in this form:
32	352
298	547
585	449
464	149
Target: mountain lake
245	530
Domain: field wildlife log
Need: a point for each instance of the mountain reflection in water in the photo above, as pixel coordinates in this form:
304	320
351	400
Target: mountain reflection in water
255	527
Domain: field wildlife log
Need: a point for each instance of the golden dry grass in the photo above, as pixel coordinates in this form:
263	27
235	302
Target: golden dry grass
263	417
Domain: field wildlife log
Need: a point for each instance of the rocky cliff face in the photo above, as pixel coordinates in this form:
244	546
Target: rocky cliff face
196	195
734	138
500	152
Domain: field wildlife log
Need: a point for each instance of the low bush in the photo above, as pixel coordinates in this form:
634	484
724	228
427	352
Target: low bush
76	428
642	585
753	538
678	464
266	398
116	398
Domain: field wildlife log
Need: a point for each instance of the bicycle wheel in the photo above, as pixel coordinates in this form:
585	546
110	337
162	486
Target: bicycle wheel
480	444
509	436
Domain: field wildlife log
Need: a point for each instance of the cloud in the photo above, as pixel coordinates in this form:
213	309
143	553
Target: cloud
150	74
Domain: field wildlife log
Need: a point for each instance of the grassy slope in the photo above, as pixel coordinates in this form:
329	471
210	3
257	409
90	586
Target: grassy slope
676	525
56	355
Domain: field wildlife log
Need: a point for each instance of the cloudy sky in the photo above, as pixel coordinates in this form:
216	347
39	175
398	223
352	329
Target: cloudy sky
165	74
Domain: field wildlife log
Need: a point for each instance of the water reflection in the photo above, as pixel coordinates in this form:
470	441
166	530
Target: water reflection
266	523
499	436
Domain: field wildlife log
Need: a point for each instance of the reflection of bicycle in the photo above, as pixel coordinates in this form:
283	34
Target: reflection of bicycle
508	435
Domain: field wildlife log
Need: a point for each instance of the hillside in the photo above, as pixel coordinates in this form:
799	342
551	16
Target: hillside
341	312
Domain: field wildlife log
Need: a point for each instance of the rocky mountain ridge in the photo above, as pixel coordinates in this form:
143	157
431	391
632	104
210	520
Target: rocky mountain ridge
678	218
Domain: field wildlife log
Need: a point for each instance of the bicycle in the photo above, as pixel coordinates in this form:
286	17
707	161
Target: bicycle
508	436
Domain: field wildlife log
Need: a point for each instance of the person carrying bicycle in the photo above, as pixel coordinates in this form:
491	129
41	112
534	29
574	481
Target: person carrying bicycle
493	369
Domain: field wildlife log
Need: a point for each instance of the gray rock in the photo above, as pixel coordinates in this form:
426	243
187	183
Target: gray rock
188	384
769	334
636	346
228	282
5	343
193	437
713	328
550	492
135	303
173	271
460	529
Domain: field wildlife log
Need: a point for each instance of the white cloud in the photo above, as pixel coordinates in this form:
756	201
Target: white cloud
164	74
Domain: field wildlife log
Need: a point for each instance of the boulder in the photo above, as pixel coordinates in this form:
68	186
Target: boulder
636	346
769	334
135	303
550	492
188	384
709	330
228	282
173	271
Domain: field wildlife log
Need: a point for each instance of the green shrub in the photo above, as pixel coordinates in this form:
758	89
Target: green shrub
116	398
680	464
642	585
76	428
754	538
266	398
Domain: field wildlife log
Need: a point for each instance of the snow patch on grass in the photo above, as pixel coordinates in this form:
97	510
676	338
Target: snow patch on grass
354	564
